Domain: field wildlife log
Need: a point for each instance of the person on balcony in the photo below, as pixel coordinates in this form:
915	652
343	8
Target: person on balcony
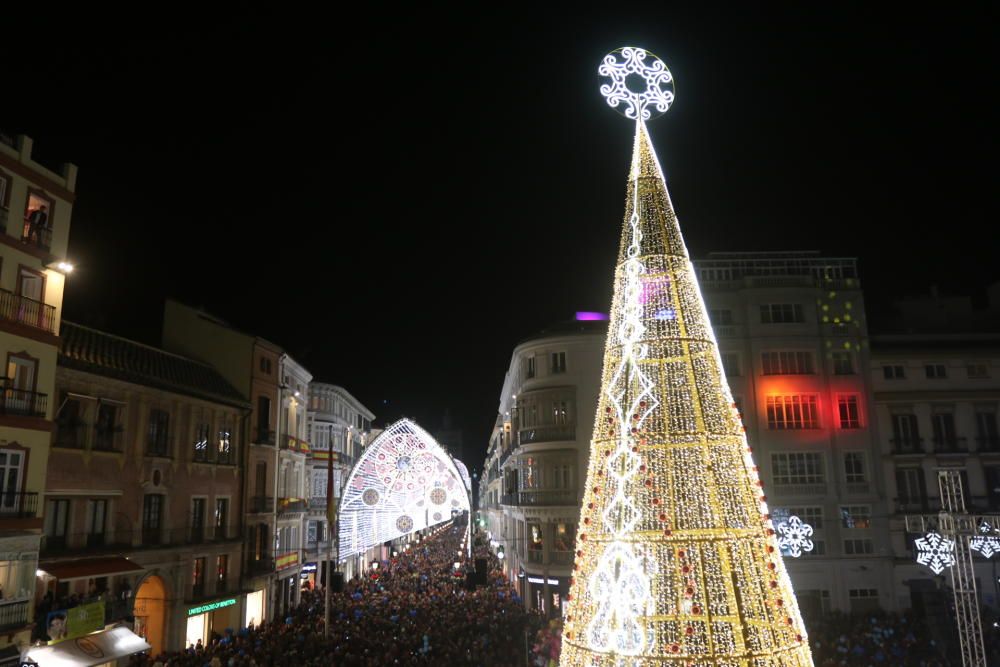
37	221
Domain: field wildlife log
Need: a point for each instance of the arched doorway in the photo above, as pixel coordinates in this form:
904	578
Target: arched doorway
150	612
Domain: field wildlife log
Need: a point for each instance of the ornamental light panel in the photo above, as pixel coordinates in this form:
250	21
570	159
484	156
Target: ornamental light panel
464	472
404	481
987	542
935	551
677	559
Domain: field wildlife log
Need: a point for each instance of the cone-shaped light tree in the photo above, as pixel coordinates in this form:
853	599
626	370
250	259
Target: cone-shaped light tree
677	562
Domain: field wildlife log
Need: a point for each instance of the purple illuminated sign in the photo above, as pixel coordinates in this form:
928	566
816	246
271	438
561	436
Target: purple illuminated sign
585	316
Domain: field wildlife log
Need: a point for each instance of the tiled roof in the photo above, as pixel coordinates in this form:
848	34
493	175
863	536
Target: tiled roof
94	351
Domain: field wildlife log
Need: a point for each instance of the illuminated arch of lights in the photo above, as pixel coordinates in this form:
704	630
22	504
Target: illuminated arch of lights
464	472
404	481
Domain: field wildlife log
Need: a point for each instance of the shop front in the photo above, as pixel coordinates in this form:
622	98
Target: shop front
255	609
548	594
217	615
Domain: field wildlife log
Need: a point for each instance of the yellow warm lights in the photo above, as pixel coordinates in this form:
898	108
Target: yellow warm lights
677	562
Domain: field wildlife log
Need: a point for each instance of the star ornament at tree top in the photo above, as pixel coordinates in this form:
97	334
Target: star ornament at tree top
987	542
641	85
793	536
935	551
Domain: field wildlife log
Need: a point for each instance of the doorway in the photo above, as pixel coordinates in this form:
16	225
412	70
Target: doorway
149	611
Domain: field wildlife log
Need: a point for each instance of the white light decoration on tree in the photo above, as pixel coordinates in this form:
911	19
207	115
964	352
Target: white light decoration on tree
677	561
793	536
935	551
404	481
655	77
987	542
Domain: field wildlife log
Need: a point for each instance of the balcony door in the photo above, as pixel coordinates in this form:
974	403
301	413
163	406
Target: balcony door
11	463
31	287
21	378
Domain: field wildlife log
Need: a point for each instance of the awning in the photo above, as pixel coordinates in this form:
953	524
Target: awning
67	570
95	649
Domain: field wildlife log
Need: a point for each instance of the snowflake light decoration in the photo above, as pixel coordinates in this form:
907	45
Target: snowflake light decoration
987	542
793	536
935	551
658	80
404	481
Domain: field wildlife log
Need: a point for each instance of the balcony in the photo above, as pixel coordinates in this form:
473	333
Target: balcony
20	402
14	612
857	488
950	445
317	504
907	446
508	499
989	444
536	556
18	504
291	506
38	237
552	433
561	557
293	444
262	565
21	309
261	505
139	538
263	436
556	497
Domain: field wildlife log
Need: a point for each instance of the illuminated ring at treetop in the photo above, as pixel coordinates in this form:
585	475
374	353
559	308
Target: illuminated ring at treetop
659	82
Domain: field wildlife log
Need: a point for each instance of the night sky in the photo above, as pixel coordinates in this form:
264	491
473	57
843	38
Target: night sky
399	198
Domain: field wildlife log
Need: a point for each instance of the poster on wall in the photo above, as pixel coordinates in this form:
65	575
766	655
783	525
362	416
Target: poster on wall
76	622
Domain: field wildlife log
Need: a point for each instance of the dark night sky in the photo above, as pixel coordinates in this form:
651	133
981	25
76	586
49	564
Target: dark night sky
398	198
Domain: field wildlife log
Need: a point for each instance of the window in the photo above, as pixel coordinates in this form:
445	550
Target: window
97	512
843	363
201	442
858	547
847	406
797	468
720	317
987	435
11	462
943	424
559	414
792	412
19	395
781	313
263	419
38	213
935	371
221	572
265	365
225	454
856	516
107	428
863	600
198	578
854	468
978	371
56	519
534	537
787	363
562	477
905	435
530	369
893	373
152	516
159	422
811	514
731	364
531	473
70	426
911	488
4	190
197	519
558	362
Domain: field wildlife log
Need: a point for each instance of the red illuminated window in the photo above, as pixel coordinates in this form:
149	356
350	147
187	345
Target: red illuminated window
847	406
792	412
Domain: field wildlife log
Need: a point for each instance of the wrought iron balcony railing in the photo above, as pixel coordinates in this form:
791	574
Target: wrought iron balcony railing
18	504
20	402
21	309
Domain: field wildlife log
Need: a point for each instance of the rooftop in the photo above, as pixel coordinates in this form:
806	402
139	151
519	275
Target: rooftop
93	351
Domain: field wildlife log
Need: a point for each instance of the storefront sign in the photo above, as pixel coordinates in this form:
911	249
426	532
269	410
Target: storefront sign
75	622
309	567
212	606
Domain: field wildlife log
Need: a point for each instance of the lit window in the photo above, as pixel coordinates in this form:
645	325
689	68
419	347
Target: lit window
792	412
856	516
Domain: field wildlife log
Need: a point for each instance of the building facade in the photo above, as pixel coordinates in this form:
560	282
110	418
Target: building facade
536	464
253	366
35	209
936	400
143	490
340	426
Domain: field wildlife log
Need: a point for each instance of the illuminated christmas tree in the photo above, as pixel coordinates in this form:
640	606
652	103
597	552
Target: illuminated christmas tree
677	562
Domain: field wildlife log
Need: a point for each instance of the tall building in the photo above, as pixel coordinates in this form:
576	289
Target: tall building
143	490
794	342
340	426
254	366
36	206
529	494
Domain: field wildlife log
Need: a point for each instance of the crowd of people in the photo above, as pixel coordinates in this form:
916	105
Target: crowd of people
412	610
